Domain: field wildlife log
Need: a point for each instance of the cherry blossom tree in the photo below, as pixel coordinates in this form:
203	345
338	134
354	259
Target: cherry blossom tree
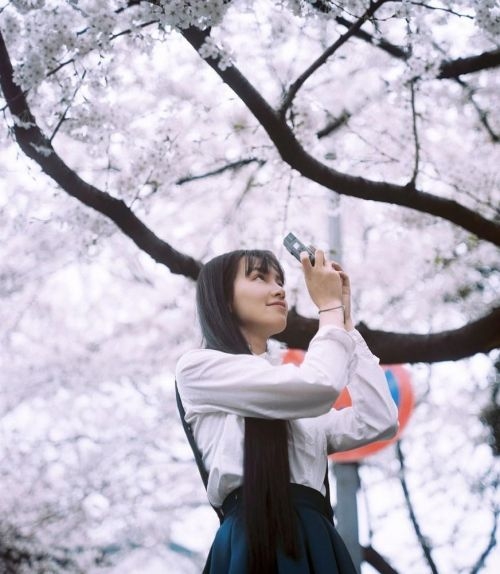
192	127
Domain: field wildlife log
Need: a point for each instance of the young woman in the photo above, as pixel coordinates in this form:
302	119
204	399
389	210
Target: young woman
264	430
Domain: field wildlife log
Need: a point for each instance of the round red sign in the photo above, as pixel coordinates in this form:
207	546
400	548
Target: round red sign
398	379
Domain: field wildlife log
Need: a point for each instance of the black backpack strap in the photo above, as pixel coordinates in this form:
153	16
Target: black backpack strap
327	494
194	447
203	471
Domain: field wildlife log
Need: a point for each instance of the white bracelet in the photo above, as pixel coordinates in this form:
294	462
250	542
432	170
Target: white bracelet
331	309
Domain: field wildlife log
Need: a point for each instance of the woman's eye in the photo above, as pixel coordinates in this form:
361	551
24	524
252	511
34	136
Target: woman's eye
258	275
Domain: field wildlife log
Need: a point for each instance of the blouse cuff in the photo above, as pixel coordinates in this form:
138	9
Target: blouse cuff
338	334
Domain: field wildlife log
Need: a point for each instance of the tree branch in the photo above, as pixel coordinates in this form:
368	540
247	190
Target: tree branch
442	9
483	116
233	165
381	43
421	538
479	336
63	115
415	134
448	68
492	542
461	66
130	30
334	124
296	157
39	148
299	82
377	561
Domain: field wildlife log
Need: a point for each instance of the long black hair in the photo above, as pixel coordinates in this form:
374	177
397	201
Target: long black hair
267	504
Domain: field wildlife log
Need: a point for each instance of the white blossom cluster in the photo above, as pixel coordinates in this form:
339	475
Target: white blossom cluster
185	13
324	9
25	6
209	13
402	9
42	36
487	15
78	28
36	51
211	49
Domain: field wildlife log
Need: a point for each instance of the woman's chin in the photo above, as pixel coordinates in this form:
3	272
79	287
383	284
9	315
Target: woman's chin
279	329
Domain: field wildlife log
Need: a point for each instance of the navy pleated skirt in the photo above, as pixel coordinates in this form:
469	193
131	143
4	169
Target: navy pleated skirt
322	550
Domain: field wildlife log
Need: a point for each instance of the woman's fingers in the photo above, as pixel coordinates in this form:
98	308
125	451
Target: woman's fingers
306	262
319	256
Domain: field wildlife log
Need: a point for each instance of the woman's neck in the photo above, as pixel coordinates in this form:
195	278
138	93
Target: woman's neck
256	343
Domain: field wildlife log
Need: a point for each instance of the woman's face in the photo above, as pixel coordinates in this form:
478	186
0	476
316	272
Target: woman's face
259	302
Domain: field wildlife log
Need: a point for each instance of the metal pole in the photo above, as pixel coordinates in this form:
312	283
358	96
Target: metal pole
346	510
346	474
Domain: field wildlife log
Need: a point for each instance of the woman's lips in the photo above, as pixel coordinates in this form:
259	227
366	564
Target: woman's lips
278	304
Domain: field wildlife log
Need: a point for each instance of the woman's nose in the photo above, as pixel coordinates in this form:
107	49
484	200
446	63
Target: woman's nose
279	291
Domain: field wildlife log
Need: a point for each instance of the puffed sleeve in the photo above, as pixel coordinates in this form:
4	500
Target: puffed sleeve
373	414
248	385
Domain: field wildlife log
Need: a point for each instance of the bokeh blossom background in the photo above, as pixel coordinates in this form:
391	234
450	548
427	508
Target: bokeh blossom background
128	158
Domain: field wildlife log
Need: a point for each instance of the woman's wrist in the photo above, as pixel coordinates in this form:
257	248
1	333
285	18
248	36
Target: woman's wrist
334	308
328	303
333	314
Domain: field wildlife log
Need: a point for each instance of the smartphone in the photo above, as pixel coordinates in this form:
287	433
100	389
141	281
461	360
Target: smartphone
295	247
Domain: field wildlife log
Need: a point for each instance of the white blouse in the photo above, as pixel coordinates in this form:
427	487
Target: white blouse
219	389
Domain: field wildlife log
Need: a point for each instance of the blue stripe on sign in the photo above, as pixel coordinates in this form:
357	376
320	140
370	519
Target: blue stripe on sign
393	386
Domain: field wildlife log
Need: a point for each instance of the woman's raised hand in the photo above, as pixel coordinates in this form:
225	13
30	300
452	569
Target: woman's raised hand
346	296
323	280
